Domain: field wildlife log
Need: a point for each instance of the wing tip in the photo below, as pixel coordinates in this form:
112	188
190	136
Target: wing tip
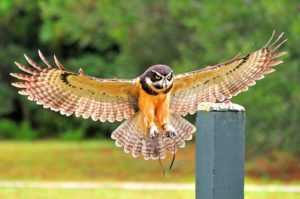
58	64
274	56
273	46
19	84
13	84
81	72
13	75
23	92
43	58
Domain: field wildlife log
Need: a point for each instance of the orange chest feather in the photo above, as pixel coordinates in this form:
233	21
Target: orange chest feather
147	101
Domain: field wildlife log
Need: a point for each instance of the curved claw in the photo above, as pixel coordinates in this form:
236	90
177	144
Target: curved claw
170	130
172	133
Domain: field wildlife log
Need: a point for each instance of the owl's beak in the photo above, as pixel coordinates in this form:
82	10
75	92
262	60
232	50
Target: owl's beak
161	85
164	83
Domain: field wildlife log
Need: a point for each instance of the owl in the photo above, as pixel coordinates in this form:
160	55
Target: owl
152	104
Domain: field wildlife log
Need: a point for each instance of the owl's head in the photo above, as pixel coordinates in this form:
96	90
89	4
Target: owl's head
157	79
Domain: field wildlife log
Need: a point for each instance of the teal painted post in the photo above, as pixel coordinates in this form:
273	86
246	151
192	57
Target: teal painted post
220	150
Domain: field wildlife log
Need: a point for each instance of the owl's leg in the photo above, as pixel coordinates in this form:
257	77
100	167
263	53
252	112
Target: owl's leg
163	114
147	109
150	124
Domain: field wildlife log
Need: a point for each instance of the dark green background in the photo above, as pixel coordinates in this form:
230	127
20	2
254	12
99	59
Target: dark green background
110	38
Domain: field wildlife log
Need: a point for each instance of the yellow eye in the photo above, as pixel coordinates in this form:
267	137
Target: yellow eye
157	77
169	77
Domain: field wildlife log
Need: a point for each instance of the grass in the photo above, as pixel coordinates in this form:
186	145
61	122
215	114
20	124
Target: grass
93	161
97	161
24	193
91	194
86	161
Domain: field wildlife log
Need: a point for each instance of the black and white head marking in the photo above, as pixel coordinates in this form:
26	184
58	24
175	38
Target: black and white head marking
157	79
160	81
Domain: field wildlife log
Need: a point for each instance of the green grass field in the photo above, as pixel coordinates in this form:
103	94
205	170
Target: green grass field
86	161
26	193
96	161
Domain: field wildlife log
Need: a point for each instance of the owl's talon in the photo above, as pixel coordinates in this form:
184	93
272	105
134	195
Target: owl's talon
172	133
153	131
170	130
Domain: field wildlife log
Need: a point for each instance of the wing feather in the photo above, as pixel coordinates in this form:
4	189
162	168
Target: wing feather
79	94
222	81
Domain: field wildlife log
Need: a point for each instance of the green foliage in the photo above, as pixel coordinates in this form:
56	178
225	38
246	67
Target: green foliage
72	135
25	132
11	130
7	127
123	38
7	106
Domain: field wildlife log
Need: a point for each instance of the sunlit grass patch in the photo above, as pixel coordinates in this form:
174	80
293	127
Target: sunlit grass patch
29	193
87	161
271	195
95	160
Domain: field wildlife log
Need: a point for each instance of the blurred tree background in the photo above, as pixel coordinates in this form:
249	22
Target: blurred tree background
112	38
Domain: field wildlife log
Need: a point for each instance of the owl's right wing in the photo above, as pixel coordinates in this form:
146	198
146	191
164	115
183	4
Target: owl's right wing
222	81
79	94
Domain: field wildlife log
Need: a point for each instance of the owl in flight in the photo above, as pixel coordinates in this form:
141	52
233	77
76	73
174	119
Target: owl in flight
152	104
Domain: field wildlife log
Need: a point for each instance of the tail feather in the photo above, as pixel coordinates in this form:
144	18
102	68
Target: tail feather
130	141
137	148
146	149
136	141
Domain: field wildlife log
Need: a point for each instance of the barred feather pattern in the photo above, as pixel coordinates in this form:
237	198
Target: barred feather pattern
133	139
222	81
82	95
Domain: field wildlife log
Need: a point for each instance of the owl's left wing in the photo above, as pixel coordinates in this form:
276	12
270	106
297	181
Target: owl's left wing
222	81
70	93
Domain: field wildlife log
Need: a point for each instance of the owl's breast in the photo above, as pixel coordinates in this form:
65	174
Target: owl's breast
152	102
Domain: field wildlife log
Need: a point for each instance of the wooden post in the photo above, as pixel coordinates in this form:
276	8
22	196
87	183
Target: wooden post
220	151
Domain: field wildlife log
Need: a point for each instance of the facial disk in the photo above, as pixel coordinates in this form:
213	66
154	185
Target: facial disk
157	79
160	80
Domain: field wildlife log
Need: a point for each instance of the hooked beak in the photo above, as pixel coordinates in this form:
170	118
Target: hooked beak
164	83
161	85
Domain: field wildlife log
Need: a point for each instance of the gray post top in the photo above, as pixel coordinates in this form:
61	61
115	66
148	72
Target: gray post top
220	107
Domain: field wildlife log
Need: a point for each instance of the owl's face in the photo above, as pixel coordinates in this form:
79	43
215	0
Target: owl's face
158	78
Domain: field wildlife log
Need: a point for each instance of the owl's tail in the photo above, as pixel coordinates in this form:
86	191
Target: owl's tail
136	140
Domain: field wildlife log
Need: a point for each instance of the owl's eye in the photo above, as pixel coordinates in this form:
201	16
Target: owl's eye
157	77
169	77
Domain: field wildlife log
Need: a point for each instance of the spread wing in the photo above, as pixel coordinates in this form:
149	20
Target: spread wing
222	81
69	93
